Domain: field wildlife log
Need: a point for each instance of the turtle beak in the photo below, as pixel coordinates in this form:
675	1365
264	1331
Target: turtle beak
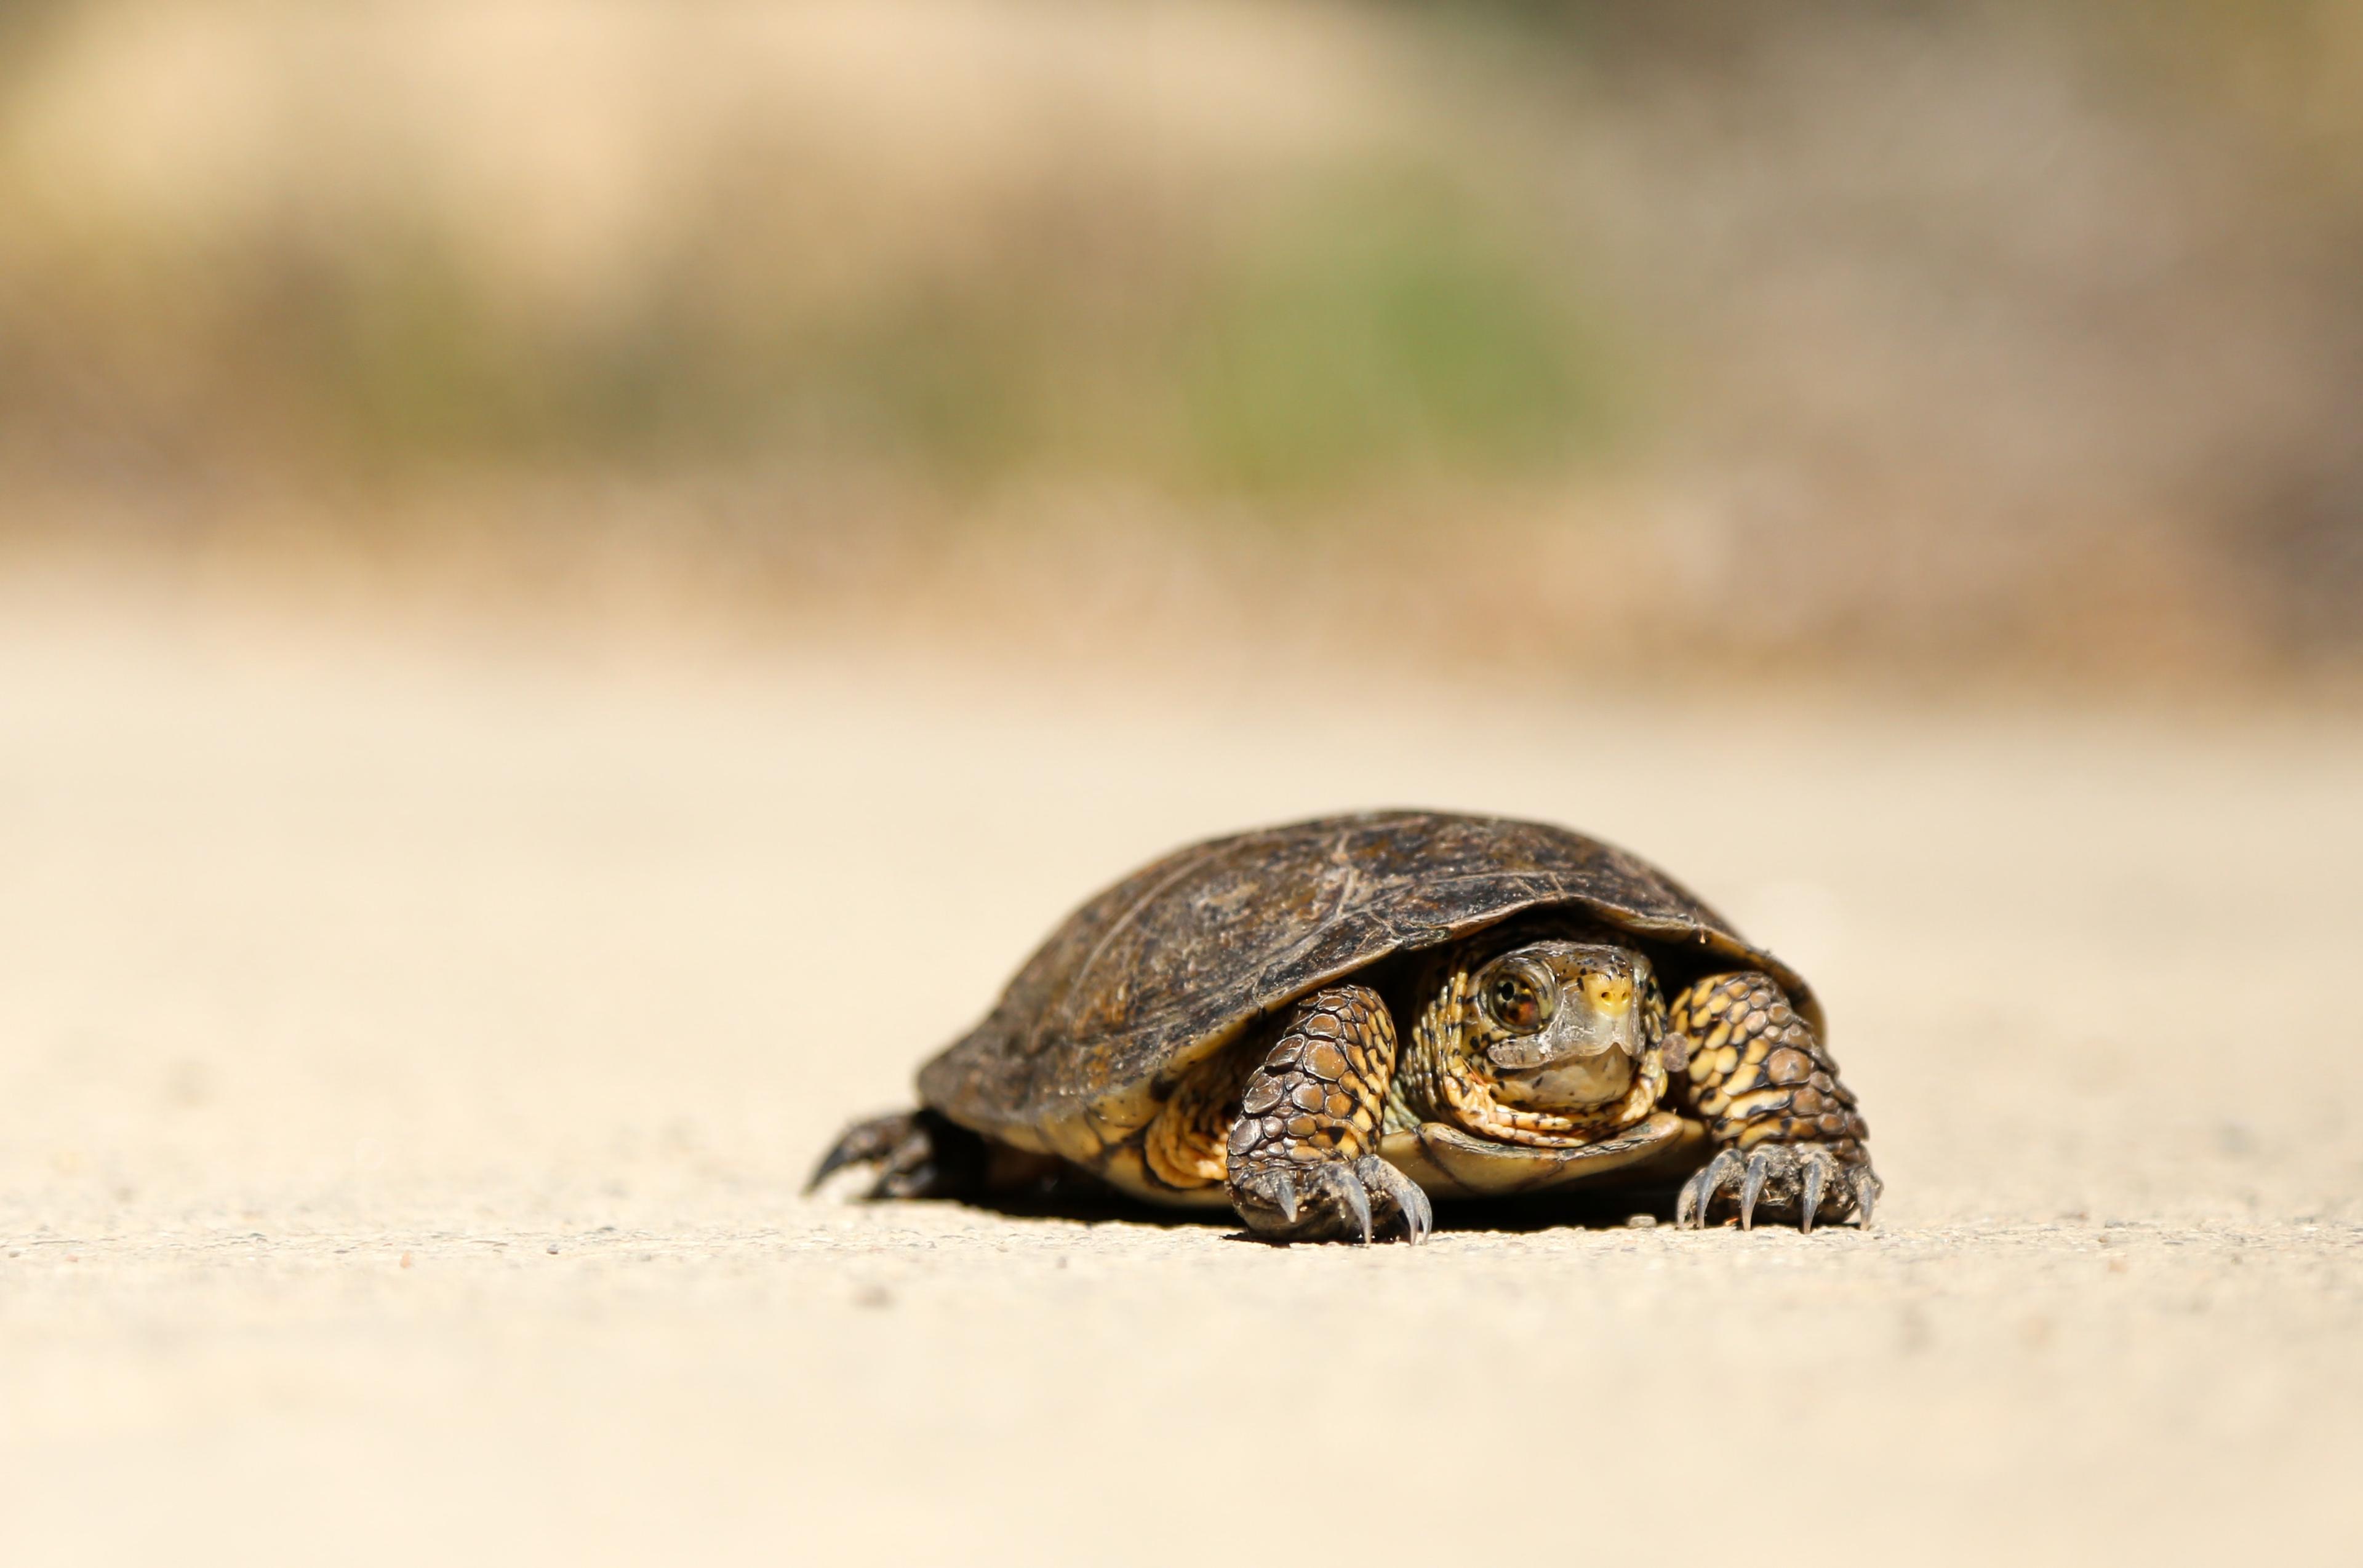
1592	1021
1596	1015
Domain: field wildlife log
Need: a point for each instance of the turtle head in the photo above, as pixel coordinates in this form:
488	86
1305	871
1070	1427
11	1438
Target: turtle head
1563	1023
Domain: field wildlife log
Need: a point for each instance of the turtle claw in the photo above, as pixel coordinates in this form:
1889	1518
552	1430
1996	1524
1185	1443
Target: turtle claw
872	1142
1806	1181
1817	1171
1867	1187
1397	1197
1332	1201
1268	1202
909	1169
1349	1194
917	1154
1698	1192
1283	1197
1751	1187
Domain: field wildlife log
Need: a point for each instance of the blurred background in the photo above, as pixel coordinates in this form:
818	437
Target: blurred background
580	583
2000	344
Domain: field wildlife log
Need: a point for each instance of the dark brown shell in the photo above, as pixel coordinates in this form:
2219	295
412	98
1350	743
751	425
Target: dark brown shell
1169	964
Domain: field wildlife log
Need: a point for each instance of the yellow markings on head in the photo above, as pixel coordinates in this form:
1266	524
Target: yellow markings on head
1608	993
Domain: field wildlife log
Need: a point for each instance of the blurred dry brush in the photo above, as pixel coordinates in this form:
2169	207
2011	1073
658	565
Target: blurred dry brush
2001	341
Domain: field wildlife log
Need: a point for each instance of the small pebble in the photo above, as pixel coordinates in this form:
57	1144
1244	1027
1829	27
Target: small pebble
551	1248
1642	1222
405	1260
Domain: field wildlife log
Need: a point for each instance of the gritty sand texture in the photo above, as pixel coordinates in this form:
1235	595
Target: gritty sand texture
410	1053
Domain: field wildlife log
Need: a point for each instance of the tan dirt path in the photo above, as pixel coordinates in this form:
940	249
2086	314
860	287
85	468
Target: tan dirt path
409	1057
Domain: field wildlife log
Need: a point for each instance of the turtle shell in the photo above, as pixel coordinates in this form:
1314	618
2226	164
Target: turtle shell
1169	965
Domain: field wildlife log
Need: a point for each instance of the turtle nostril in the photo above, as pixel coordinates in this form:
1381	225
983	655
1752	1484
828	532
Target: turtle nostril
1608	991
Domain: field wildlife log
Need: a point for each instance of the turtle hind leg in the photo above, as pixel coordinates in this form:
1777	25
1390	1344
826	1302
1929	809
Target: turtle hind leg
1301	1161
918	1154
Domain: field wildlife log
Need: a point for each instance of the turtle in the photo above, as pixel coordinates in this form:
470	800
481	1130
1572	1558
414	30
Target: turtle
1324	1024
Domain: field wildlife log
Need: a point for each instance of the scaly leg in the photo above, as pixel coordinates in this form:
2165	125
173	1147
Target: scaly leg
1302	1165
918	1154
1789	1135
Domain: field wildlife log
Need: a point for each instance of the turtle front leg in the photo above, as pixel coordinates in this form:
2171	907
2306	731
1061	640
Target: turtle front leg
1791	1141
1302	1162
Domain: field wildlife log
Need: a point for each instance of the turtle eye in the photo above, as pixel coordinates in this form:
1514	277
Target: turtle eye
1517	995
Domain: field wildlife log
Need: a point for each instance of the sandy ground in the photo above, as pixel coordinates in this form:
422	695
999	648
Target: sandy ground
410	1051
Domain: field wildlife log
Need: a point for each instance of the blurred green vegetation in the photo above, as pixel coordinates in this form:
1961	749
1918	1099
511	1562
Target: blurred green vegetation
1380	327
1385	329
